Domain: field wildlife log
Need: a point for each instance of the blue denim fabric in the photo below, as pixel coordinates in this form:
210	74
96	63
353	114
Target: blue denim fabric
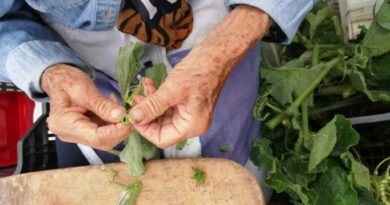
287	14
28	46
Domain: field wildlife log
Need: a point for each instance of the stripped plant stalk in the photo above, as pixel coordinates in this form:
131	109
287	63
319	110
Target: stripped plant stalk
306	93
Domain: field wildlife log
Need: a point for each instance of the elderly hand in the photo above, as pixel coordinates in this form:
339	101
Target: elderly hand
79	113
182	107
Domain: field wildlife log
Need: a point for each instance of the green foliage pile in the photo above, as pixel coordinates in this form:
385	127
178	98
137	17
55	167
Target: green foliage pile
317	73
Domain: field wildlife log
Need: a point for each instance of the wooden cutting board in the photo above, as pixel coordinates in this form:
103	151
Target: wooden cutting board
164	182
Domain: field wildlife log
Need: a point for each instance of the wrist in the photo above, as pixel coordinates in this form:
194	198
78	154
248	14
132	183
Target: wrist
226	45
56	75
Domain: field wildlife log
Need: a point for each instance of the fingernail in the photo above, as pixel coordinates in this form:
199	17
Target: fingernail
117	113
137	115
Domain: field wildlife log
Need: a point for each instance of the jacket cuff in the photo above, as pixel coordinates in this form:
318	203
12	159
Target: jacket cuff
26	63
287	14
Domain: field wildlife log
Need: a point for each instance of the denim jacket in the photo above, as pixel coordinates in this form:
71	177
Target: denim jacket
28	46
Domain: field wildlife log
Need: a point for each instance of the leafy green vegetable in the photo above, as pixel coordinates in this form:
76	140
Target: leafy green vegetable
289	82
306	145
130	194
199	176
316	19
133	190
360	173
181	145
225	148
128	66
137	149
323	144
157	73
335	188
382	17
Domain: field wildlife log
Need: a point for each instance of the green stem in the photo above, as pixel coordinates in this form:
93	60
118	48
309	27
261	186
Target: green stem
325	46
114	152
341	104
308	91
305	118
337	26
316	54
335	90
274	108
305	105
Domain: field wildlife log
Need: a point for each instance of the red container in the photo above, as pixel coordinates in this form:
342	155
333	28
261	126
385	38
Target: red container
16	117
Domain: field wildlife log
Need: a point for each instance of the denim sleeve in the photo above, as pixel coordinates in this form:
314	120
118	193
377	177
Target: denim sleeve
28	47
287	14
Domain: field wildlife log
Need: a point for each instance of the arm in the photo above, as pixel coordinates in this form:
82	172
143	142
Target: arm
29	47
35	58
185	101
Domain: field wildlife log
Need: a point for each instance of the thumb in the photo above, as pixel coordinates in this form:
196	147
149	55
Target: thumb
153	106
105	108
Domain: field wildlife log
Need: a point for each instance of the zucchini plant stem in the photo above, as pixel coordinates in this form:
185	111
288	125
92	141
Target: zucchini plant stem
306	93
274	108
345	103
305	105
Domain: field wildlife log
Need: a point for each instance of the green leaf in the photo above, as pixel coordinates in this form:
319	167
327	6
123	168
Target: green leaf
315	19
296	169
288	82
199	176
323	144
128	65
366	198
225	148
305	195
358	80
377	41
333	187
132	155
149	150
181	145
346	136
157	73
261	154
360	173
382	17
335	137
380	71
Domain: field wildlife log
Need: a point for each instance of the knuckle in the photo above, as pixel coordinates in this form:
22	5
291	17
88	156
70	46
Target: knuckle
154	105
102	106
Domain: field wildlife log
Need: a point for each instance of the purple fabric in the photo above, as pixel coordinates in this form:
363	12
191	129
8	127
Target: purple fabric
233	123
106	86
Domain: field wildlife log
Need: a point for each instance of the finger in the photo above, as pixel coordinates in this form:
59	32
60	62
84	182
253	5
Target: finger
153	106
89	97
74	127
111	135
148	81
162	136
148	86
114	98
138	98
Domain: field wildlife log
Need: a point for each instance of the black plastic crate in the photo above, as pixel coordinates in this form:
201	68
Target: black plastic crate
37	149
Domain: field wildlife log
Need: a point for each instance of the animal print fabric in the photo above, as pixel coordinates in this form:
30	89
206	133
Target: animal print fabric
166	23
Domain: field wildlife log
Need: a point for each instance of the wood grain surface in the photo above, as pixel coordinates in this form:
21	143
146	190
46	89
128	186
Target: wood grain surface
164	182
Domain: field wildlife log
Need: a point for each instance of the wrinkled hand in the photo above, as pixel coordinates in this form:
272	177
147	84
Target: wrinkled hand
186	100
78	112
183	105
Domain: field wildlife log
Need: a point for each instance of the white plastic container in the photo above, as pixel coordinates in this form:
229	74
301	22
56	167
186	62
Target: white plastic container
355	13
